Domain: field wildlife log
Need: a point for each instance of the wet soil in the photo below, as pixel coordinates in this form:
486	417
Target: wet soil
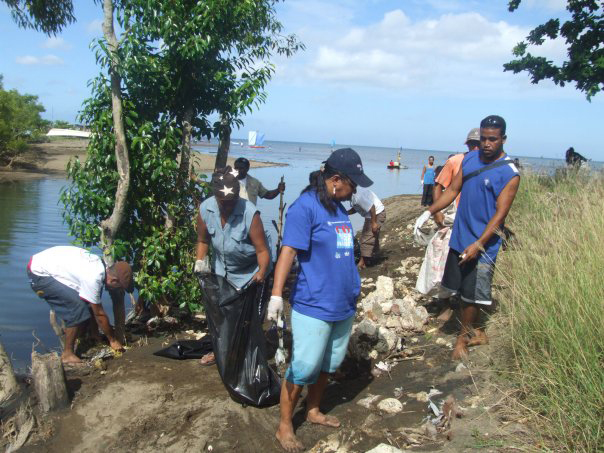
141	402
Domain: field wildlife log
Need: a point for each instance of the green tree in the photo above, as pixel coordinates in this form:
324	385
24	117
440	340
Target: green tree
20	123
584	37
179	64
47	16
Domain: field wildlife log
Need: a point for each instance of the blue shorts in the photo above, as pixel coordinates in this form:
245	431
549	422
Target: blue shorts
318	346
65	301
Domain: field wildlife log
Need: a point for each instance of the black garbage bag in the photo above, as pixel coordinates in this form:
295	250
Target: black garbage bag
235	324
187	349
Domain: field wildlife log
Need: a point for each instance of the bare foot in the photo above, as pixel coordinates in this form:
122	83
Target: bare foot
321	419
460	352
208	359
479	338
70	359
445	315
288	440
361	264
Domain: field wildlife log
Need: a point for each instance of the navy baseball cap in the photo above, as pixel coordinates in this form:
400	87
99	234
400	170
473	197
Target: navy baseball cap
348	162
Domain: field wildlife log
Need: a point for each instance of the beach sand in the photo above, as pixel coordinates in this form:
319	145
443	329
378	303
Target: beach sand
50	160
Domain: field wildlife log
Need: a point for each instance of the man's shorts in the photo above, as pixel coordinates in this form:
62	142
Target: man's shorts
472	280
65	301
318	346
370	243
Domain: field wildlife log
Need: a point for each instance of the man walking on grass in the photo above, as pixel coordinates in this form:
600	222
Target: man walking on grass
488	182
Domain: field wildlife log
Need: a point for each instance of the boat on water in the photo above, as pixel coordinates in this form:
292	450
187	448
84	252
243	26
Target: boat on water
396	164
255	139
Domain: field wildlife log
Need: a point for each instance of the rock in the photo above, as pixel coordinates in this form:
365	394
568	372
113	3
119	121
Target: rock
460	367
440	341
384	289
393	322
422	397
384	448
387	340
390	406
368	401
373	354
394	309
386	307
366	327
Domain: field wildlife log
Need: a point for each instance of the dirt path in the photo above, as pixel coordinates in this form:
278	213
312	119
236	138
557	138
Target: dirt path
141	402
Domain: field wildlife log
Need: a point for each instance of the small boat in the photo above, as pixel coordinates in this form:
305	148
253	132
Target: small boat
396	164
255	139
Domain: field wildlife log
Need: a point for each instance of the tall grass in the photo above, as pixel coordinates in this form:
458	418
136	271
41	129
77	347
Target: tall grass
553	302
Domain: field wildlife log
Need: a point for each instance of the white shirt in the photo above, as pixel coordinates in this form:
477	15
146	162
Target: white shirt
363	200
243	189
74	267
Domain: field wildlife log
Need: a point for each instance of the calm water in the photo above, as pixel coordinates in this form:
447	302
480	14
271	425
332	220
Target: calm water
31	221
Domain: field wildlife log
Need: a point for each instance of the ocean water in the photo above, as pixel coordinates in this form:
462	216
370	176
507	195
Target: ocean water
31	221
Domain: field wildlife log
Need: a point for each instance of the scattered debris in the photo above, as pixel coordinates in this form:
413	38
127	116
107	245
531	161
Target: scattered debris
390	406
368	401
384	448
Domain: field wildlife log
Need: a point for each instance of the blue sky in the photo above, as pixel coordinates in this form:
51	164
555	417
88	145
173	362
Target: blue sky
411	73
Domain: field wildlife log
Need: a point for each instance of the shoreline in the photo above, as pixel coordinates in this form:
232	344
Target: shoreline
49	160
182	406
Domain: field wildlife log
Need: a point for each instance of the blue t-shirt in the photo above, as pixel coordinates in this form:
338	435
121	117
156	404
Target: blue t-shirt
478	204
328	283
429	175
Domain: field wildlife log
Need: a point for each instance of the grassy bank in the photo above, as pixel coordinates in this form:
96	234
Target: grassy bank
553	306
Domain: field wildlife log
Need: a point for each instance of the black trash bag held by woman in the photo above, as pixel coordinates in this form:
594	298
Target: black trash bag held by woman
235	324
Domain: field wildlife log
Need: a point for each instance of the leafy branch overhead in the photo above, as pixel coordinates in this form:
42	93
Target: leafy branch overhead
47	16
583	34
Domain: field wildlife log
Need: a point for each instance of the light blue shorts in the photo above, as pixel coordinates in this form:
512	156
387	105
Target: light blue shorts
317	346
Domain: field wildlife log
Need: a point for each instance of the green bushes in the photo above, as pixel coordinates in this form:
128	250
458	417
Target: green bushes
20	122
554	304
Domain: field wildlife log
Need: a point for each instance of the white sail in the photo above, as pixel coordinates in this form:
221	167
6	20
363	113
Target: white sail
251	138
260	139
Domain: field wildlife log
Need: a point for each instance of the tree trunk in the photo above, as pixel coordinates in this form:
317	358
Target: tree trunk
49	381
225	141
111	225
185	152
9	387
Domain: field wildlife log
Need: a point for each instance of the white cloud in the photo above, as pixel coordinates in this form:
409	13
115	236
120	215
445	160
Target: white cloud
95	27
49	60
453	54
55	42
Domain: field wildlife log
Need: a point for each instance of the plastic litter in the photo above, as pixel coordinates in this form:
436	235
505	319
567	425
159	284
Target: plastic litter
186	349
235	323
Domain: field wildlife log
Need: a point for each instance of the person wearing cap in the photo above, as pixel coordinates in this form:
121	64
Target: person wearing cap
323	298
233	227
249	187
488	181
367	203
71	280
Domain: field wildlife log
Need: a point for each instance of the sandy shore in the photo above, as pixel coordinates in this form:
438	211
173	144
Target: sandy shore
50	160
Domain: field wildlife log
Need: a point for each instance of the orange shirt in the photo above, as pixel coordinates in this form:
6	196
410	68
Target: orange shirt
449	171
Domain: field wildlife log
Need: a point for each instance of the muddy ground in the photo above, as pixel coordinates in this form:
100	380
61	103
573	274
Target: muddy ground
141	402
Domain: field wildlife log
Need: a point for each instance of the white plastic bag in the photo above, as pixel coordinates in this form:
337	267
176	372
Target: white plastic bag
433	267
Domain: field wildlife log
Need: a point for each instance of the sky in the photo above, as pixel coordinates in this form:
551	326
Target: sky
412	73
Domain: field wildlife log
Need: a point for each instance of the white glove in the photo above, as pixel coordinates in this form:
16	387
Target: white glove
202	266
420	221
421	182
275	308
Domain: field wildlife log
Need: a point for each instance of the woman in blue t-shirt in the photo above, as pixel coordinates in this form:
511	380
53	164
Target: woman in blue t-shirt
319	233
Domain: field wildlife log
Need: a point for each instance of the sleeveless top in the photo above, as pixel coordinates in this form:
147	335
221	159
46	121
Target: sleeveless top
429	175
234	254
